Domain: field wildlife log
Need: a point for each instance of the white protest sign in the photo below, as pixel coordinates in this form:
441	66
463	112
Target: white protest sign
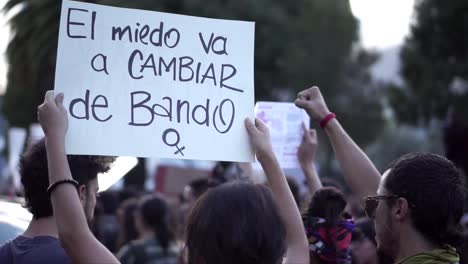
151	84
284	120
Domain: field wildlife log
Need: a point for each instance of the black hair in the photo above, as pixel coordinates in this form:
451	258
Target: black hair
128	193
155	214
328	203
109	202
433	187
220	170
235	223
200	186
128	231
35	176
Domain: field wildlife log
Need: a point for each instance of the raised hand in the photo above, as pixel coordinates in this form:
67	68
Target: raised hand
308	148
296	241
52	115
312	101
359	172
259	137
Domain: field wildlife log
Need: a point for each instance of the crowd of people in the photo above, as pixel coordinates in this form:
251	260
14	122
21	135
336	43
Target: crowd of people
412	213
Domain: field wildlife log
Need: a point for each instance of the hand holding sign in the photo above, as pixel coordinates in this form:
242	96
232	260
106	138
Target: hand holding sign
259	137
53	116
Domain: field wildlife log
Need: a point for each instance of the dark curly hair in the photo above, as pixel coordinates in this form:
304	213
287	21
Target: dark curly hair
434	187
35	176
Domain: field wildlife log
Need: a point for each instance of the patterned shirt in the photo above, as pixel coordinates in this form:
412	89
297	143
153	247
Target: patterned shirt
147	251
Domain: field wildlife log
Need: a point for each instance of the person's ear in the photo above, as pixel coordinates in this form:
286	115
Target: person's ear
401	209
82	192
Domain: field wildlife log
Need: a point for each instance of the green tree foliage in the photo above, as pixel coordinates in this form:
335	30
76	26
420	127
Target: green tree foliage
435	72
434	62
31	58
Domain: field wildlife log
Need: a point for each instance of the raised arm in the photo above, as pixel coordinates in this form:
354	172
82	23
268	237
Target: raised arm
75	236
297	245
306	157
359	172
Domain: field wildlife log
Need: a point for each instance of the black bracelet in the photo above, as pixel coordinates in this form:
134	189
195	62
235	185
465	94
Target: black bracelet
55	184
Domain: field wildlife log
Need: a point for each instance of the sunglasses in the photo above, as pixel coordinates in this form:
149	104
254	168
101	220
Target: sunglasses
371	203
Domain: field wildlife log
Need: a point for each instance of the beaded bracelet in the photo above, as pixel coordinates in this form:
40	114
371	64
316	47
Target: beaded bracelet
57	183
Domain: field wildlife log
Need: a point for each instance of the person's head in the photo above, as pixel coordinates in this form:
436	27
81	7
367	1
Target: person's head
35	179
128	193
328	203
422	194
327	227
197	187
235	223
126	219
109	202
154	215
220	171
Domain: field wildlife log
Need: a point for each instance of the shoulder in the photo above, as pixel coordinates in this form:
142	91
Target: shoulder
9	245
5	252
33	250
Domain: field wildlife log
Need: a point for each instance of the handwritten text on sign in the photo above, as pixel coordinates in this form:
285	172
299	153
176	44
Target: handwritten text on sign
284	120
141	83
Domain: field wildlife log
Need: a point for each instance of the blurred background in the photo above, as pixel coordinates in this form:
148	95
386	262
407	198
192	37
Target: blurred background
395	72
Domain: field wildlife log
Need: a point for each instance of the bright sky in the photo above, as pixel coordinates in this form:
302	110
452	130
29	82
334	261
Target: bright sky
384	23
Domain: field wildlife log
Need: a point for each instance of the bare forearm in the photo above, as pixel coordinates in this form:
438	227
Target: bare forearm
72	226
312	178
296	239
74	232
68	210
359	172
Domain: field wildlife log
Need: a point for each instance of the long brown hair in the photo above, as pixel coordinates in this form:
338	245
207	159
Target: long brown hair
235	223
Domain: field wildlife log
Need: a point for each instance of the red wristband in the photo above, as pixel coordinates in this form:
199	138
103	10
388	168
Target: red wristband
327	119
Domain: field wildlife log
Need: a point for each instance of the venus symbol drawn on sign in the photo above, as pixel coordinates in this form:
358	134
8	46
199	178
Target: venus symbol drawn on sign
176	141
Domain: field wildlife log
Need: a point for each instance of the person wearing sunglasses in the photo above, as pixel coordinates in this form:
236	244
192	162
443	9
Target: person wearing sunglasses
416	204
